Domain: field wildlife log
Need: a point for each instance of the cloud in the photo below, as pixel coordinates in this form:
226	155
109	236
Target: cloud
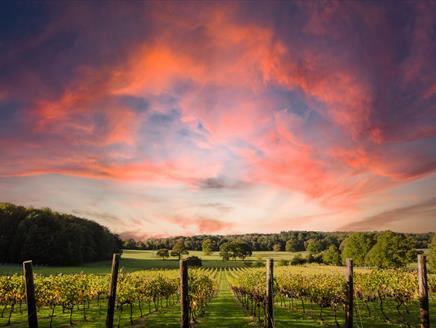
336	102
420	212
220	183
200	224
139	235
218	206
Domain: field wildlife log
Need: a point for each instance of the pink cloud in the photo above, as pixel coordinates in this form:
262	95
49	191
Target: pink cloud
299	106
200	225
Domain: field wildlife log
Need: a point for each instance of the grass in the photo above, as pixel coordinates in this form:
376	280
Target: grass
133	260
286	317
224	311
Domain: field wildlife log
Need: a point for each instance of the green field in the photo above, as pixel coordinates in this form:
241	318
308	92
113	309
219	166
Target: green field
133	260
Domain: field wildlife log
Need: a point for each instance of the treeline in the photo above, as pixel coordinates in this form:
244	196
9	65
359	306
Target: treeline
384	250
284	241
51	238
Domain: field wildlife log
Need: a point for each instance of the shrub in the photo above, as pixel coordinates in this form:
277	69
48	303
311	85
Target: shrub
297	260
282	262
194	261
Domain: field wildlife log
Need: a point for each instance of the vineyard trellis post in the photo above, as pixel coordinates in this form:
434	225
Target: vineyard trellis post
29	288
349	295
423	292
112	291
270	293
184	294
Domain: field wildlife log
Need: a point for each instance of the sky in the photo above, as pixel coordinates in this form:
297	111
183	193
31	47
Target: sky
182	118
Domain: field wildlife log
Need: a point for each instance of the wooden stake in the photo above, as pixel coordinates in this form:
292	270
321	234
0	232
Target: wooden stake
112	291
270	293
184	294
423	292
349	296
30	294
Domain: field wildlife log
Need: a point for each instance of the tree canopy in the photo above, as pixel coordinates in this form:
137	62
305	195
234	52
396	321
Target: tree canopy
314	246
298	240
235	249
291	245
432	254
332	255
207	246
48	237
392	250
356	246
179	249
163	253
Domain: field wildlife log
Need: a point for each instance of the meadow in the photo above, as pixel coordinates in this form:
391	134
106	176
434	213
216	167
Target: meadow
133	260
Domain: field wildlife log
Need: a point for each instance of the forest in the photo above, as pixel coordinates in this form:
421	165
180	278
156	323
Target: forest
292	241
52	238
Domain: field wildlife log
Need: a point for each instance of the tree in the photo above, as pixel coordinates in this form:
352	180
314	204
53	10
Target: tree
129	244
291	245
179	249
207	246
332	256
313	246
225	251
392	250
277	248
432	254
163	253
356	246
235	249
241	249
48	237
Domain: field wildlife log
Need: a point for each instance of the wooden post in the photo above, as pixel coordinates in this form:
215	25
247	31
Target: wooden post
349	296
112	291
423	292
30	294
184	296
270	293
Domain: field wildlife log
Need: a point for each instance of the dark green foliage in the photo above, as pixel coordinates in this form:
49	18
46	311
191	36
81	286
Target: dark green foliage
264	242
207	246
297	260
314	246
51	238
332	255
179	249
356	246
130	244
392	250
291	245
194	261
277	247
314	258
163	253
235	249
225	251
432	254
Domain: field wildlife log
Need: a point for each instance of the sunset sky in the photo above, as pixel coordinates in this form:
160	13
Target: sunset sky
181	118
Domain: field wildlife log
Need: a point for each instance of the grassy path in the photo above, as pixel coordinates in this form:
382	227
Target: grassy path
223	311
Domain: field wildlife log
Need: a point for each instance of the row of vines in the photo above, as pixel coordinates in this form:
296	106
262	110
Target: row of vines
381	295
139	292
